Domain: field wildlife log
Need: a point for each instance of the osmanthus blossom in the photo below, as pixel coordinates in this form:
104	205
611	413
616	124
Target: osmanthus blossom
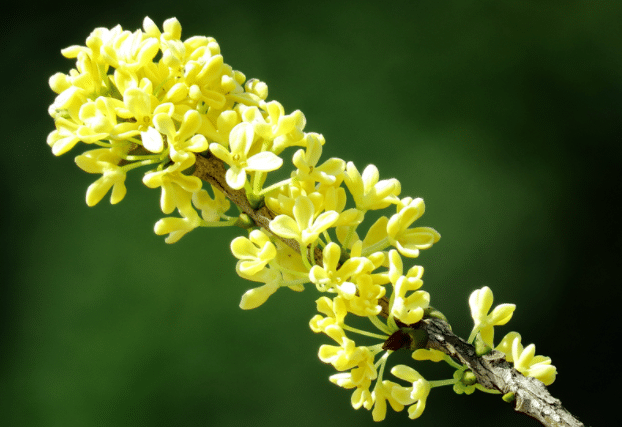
280	128
237	156
367	191
524	359
176	227
383	393
103	161
361	397
366	302
344	356
253	252
285	270
174	184
212	208
415	395
334	278
305	227
480	303
183	143
306	163
335	311
408	309
410	240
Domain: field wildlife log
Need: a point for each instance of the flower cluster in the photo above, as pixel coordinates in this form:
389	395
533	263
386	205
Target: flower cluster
147	98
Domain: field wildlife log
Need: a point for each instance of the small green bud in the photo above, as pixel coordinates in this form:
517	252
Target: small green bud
245	222
481	348
468	378
419	338
509	397
256	202
432	312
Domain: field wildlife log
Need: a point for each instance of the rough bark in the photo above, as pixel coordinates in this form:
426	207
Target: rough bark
495	373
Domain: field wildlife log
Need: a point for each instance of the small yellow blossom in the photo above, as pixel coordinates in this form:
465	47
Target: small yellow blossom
253	252
524	359
174	184
383	393
329	278
480	302
335	311
343	357
365	302
408	309
183	143
176	228
414	396
211	208
284	130
305	227
255	297
306	161
361	397
240	142
409	241
104	161
367	191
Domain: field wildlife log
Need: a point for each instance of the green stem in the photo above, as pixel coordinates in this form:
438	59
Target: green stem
227	223
451	362
361	332
486	390
440	383
378	324
383	244
273	187
131	166
303	255
473	335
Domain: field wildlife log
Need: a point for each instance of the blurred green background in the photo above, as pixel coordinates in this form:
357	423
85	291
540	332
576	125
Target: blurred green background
503	115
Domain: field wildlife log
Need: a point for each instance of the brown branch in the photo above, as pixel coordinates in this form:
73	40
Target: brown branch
492	370
495	373
212	170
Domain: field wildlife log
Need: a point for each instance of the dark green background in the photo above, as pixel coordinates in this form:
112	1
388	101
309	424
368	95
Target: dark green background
503	115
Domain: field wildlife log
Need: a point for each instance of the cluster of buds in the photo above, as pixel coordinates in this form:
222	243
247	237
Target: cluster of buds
149	99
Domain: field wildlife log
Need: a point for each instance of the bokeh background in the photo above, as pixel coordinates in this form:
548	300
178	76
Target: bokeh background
503	115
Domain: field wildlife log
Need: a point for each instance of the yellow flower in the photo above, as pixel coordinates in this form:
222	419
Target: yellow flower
211	208
104	161
335	311
253	252
410	241
174	184
367	191
408	309
176	228
524	359
480	302
240	142
343	357
284	130
414	396
306	161
365	302
304	227
382	393
329	278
